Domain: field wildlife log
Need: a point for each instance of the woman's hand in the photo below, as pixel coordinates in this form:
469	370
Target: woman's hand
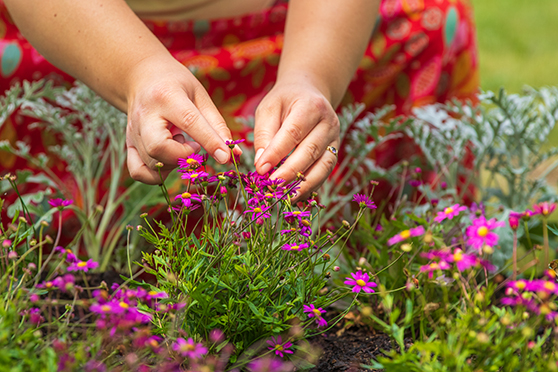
166	100
295	114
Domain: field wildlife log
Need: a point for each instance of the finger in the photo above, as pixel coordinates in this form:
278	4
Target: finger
210	112
317	174
309	151
188	118
296	126
266	125
153	139
141	172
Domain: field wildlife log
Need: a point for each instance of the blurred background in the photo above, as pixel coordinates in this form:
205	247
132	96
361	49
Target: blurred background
518	43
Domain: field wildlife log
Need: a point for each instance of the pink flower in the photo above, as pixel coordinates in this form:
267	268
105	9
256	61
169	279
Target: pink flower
189	349
463	261
314	312
360	282
514	219
192	162
406	234
364	201
231	143
60	203
450	212
294	247
434	266
188	199
480	233
278	346
544	208
194	176
83	266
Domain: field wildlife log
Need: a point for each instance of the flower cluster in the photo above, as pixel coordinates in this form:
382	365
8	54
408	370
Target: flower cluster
406	234
537	296
445	259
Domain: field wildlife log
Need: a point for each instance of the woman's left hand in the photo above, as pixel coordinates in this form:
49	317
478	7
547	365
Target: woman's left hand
295	114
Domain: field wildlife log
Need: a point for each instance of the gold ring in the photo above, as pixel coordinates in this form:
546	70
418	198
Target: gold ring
333	150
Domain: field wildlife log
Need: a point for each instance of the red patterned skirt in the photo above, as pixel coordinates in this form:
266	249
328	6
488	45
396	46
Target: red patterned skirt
421	52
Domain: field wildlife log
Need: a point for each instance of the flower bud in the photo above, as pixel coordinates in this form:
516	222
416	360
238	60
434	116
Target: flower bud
99	208
159	164
6	243
44	223
487	249
336	268
48	239
143	215
12	255
406	247
22	220
326	257
346	224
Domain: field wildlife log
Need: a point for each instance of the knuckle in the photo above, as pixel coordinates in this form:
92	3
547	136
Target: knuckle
154	149
160	92
313	151
317	104
329	163
188	118
295	132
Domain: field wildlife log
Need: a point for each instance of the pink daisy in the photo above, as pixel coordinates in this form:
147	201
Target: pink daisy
480	233
406	234
450	212
278	346
314	312
360	282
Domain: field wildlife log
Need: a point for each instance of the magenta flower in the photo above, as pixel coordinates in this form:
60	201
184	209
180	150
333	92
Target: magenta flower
463	261
544	208
258	211
83	266
314	312
192	162
450	212
434	266
60	203
297	214
514	219
189	349
194	176
232	143
188	199
480	233
360	282
364	201
294	247
406	234
278	346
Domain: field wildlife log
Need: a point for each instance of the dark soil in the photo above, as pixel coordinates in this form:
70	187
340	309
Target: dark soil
348	345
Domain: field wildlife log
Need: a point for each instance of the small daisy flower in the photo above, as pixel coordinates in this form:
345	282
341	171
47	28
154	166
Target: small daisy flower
194	176
60	203
192	162
450	212
406	234
294	247
314	312
364	201
297	214
258	211
544	208
188	198
480	233
434	266
278	346
360	282
189	349
232	143
83	266
514	219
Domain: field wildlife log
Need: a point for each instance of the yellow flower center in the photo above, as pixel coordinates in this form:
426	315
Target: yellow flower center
458	256
105	308
294	247
153	343
520	285
317	312
269	195
448	210
194	175
189	347
360	282
152	293
81	264
48	284
186	195
257	210
123	305
279	347
405	234
306	223
192	161
482	231
296	213
550	286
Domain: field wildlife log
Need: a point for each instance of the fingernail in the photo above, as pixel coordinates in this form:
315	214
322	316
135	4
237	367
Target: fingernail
265	168
221	156
258	154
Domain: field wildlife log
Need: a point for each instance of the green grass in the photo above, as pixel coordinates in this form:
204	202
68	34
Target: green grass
518	43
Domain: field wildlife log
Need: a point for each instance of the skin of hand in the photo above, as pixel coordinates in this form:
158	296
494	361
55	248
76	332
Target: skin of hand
324	43
105	45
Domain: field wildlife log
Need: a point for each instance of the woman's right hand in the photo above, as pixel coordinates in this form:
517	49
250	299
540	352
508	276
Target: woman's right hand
166	99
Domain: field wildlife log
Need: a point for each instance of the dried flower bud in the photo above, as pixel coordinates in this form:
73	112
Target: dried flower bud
99	208
48	239
44	223
22	220
33	242
326	257
374	183
346	224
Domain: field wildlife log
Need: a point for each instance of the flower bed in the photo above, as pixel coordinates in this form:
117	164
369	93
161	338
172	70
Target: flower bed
236	275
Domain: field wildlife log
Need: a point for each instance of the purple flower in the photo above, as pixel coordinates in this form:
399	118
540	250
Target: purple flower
188	199
194	176
480	233
364	201
232	143
406	234
60	203
278	346
297	214
294	247
189	349
269	365
314	312
258	211
434	266
192	162
83	266
450	212
360	282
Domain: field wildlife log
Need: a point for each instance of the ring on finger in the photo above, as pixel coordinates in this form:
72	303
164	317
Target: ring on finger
333	150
